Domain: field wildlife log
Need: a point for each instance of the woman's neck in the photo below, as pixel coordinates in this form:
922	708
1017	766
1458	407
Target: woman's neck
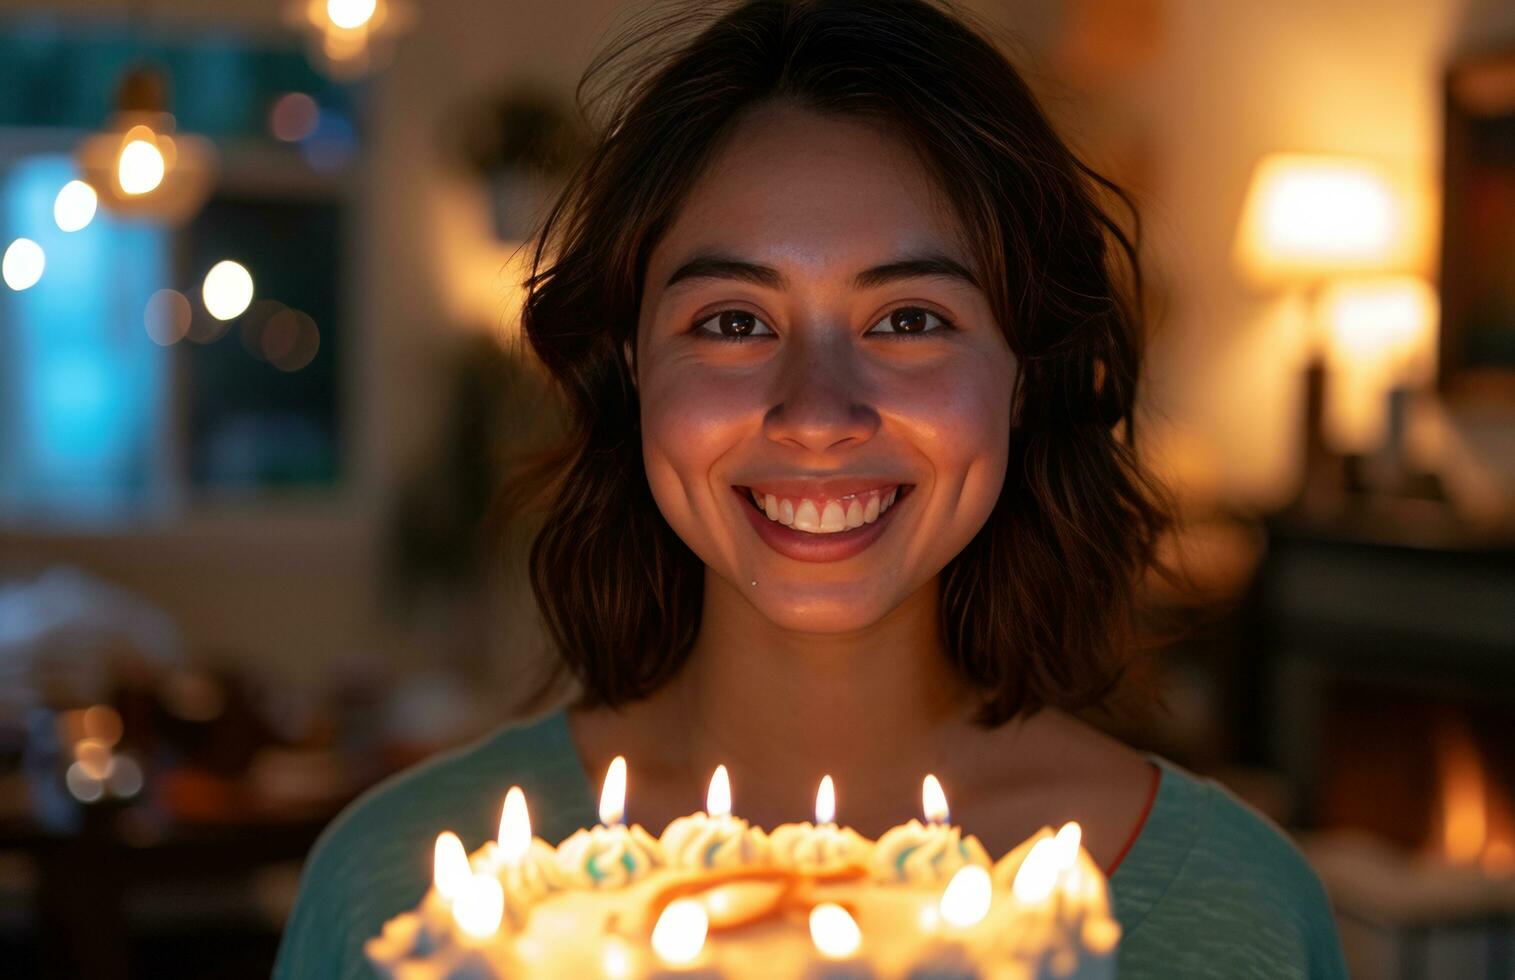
874	708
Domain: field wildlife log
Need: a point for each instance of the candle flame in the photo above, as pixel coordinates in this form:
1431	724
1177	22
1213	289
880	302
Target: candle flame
834	931
1037	875
480	905
718	800
680	933
1100	935
613	793
1066	844
825	801
966	899
933	800
616	959
515	827
449	868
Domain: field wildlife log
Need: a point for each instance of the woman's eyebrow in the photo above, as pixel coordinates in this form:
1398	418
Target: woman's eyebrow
715	265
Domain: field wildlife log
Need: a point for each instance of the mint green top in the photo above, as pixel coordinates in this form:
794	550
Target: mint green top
1209	888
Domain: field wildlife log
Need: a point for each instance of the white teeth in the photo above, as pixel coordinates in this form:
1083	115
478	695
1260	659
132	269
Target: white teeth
826	516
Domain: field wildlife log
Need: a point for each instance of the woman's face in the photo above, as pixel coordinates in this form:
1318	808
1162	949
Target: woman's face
825	394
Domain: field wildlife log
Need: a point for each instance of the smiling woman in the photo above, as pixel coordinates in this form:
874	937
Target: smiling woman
851	348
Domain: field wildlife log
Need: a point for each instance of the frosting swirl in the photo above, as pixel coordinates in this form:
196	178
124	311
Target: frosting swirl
925	853
808	847
607	857
702	841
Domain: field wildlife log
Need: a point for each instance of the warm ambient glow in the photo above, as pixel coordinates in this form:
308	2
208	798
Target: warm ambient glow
515	827
613	793
825	802
966	899
141	167
616	959
479	906
1476	822
1047	862
449	868
23	264
74	207
1037	875
1065	844
680	933
718	800
1389	321
1307	217
228	289
933	800
350	14
834	931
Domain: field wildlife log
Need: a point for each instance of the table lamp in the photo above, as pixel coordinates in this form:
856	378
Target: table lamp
1311	221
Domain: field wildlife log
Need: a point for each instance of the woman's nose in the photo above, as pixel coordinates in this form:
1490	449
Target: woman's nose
820	402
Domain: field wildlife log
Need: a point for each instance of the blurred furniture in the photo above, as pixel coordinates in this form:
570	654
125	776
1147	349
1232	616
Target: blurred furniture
1392	596
88	883
1339	233
1477	347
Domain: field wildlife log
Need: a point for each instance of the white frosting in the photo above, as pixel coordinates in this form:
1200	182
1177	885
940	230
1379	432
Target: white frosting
607	857
809	847
524	881
575	928
925	853
702	841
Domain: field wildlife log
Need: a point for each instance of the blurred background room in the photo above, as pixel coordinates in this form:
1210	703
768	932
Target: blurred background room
259	384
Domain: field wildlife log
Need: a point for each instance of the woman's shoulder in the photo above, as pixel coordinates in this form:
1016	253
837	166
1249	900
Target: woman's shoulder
1214	888
374	860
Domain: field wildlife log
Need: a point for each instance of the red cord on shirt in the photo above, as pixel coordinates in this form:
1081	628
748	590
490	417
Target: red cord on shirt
1157	777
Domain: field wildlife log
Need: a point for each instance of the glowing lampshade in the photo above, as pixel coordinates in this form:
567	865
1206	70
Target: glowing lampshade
137	165
349	38
1308	217
1388	318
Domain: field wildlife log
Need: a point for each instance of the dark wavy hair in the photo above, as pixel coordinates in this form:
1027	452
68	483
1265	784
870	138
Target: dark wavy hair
1039	608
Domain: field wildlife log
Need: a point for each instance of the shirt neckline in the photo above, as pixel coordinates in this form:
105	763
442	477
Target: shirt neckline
1160	796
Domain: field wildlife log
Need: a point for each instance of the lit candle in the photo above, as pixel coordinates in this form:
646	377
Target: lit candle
837	938
611	854
526	866
678	941
714	838
927	853
1060	901
821	846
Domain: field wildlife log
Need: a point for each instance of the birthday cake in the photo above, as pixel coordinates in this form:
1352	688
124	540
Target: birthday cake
715	897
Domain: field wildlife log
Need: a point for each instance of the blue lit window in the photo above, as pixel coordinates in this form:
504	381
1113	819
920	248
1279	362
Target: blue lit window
83	389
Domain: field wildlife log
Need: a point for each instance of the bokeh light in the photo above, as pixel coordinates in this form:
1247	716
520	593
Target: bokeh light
293	117
141	167
23	264
350	14
228	289
74	207
290	340
167	317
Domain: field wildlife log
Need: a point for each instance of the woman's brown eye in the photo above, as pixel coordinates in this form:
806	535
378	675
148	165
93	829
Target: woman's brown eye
733	325
736	323
909	320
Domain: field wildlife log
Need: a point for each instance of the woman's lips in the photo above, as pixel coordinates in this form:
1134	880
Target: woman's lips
827	542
